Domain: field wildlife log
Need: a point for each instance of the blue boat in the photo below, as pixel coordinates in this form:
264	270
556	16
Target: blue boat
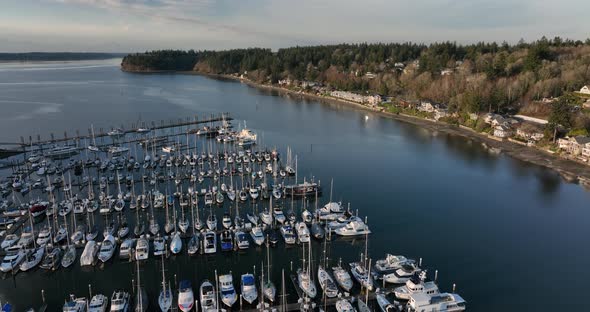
227	242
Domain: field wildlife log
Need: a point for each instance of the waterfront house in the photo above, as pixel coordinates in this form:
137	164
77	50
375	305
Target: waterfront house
493	119
426	107
502	131
374	99
573	145
585	90
285	82
529	131
440	113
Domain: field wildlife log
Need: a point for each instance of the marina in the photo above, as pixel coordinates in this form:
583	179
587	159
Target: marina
414	187
88	198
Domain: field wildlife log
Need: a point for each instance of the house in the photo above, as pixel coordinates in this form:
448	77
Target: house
529	131
586	150
285	82
446	72
585	90
502	131
586	104
473	116
493	119
573	145
399	65
374	99
440	113
426	107
498	121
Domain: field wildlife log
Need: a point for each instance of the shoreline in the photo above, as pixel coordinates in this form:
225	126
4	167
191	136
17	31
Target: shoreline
570	171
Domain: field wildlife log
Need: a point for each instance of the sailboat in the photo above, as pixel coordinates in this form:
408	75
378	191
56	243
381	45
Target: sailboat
304	276
165	297
141	296
70	253
269	289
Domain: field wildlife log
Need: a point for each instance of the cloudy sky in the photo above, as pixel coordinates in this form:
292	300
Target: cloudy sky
138	25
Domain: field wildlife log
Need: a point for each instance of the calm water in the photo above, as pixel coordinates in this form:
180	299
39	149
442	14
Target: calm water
512	236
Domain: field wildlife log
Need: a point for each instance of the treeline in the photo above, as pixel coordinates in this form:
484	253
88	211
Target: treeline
56	56
469	78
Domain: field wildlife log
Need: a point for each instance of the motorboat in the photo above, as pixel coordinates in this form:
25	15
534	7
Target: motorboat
403	274
226	221
89	254
120	301
126	249
212	222
288	234
279	215
361	275
302	232
327	283
253	193
208	297
12	260
307	216
447	302
98	303
414	285
257	235
353	228
186	298
9	241
75	304
228	292
226	241
252	218
248	288
210	242
390	264
159	245
266	217
107	249
242	240
33	259
142	249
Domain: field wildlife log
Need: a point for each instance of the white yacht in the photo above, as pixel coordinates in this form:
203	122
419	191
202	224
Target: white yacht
390	264
279	215
242	240
249	292
186	297
228	292
125	251
159	245
403	274
253	193
208	297
445	302
44	237
210	242
142	249
288	234
9	241
107	249
353	228
120	301
415	285
302	232
89	254
12	260
98	303
257	235
266	217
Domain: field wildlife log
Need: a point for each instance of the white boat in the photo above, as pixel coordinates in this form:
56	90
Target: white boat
279	215
242	240
186	297
390	264
212	222
193	244
266	217
208	297
257	235
228	292
9	241
26	239
32	259
415	285
210	242
361	275
159	245
288	234
305	283
385	305
445	302
353	228
248	288
69	256
165	298
107	249
98	303
89	254
75	304
226	221
120	301
327	283
176	243
12	260
403	274
253	193
343	305
302	232
126	249
142	249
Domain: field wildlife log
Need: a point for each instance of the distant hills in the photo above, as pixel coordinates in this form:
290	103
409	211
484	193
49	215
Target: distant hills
57	56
